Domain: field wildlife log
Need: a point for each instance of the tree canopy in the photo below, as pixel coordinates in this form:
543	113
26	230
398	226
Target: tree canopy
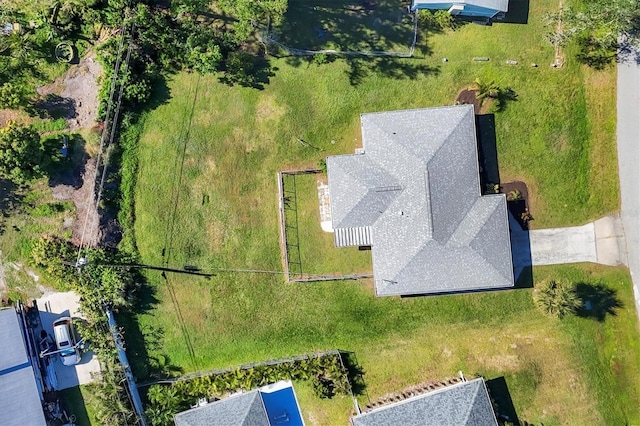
252	12
21	154
596	26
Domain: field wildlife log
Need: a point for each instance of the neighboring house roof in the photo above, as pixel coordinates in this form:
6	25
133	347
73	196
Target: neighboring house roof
19	395
462	404
498	5
275	404
414	197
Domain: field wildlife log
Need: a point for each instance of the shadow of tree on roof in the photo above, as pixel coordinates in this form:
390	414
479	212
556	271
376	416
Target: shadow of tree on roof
598	301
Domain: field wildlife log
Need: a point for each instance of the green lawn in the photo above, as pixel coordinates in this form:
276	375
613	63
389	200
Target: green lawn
317	253
78	403
206	195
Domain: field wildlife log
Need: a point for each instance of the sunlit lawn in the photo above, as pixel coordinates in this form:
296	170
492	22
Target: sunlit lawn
216	207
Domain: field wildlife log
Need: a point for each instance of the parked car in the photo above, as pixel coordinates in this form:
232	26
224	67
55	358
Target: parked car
66	342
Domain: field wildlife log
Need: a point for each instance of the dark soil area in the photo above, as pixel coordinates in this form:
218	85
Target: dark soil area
468	97
518	202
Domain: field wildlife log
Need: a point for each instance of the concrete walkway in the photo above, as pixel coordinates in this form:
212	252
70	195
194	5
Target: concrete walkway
601	242
628	136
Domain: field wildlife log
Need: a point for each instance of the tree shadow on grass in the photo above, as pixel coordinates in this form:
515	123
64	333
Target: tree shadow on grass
247	70
74	404
144	344
399	69
160	94
598	301
346	25
10	199
355	372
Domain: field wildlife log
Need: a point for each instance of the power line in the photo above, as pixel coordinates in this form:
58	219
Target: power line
168	242
103	137
112	133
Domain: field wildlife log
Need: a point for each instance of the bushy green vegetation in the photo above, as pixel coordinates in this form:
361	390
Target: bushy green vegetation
596	27
21	154
556	298
100	283
325	371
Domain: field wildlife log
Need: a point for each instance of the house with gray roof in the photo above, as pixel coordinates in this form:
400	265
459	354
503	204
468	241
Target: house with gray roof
271	405
471	8
463	404
20	395
412	194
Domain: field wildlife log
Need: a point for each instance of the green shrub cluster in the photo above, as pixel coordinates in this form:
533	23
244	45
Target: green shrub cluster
51	209
436	21
326	372
556	298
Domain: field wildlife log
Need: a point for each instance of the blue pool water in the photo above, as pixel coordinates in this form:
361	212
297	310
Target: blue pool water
282	407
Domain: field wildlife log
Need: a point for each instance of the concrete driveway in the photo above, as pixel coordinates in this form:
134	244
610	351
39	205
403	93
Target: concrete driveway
601	242
628	136
56	305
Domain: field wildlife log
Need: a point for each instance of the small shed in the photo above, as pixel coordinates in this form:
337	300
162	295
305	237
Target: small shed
471	8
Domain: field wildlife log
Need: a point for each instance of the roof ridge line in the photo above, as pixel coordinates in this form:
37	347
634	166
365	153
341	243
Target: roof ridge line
468	216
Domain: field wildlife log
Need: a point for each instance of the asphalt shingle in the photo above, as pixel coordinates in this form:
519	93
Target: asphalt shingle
416	188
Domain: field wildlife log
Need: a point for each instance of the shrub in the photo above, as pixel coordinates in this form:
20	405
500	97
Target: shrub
326	372
556	298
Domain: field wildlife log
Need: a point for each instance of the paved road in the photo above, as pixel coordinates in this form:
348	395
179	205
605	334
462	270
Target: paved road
628	134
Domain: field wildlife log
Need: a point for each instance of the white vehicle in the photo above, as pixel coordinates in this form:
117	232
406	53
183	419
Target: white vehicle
66	343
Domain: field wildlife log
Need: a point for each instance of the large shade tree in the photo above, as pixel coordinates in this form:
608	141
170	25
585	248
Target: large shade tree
21	154
251	13
596	26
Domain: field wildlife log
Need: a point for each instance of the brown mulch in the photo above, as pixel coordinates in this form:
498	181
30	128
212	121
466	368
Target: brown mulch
519	208
468	97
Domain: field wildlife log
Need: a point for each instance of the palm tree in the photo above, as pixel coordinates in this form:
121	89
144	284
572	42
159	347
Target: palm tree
486	89
556	298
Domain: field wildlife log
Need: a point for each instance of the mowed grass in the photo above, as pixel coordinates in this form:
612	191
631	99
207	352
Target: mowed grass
312	251
206	196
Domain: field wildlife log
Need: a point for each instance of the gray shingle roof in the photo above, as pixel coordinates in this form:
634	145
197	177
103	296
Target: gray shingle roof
274	404
462	404
416	189
244	409
501	5
19	396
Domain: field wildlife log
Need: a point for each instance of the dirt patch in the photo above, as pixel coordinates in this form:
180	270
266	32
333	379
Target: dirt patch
77	187
468	97
7	115
74	95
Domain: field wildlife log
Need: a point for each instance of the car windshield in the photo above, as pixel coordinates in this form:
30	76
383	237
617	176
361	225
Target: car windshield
67	352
